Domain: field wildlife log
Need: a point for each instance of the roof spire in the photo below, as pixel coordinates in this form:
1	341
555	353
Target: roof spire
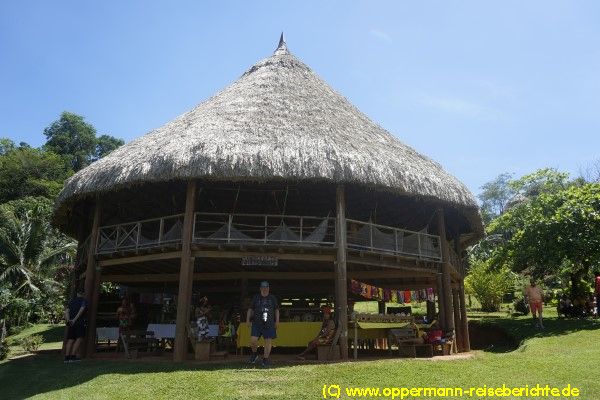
282	46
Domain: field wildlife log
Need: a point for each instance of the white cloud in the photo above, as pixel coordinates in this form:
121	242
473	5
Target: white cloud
381	35
459	106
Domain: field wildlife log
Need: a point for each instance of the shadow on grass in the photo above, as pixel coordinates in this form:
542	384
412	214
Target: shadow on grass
43	373
502	335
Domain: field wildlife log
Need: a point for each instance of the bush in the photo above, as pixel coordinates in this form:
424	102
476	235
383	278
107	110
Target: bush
488	285
32	343
3	350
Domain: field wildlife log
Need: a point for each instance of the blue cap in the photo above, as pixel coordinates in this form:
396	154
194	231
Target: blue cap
264	284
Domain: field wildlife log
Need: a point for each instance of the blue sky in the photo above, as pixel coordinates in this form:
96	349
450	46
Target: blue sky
481	87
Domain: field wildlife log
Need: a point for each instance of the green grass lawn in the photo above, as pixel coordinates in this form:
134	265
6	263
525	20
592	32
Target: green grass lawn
566	352
52	335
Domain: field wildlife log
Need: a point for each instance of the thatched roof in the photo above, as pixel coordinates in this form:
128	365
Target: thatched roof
279	120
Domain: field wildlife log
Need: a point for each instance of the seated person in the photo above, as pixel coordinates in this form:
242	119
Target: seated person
434	335
565	307
325	334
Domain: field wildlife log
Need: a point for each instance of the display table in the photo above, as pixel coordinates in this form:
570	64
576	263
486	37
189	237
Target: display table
378	330
289	334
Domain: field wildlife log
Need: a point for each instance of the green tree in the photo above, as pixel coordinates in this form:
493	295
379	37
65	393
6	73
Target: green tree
25	171
6	145
106	144
73	138
495	195
31	251
551	232
545	180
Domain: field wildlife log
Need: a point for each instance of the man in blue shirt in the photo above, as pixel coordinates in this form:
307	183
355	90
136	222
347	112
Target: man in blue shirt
265	310
76	323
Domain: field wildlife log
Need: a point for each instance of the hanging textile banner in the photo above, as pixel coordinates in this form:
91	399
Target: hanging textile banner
390	295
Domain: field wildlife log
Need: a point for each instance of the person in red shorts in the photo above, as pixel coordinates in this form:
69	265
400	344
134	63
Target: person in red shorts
535	296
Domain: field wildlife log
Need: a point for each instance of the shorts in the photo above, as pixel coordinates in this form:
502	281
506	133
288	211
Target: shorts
266	331
535	306
76	331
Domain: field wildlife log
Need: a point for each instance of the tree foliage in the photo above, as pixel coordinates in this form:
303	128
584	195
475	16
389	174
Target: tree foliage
31	251
106	144
495	196
25	171
75	140
542	224
553	233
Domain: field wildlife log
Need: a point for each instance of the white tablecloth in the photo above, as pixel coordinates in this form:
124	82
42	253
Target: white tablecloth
213	330
107	333
167	331
162	331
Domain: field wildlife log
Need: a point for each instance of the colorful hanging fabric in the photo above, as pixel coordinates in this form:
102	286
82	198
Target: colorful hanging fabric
400	296
407	296
364	289
387	295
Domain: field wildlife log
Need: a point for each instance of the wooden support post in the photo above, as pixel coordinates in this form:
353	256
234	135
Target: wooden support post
440	295
341	295
92	282
463	317
458	331
446	278
186	272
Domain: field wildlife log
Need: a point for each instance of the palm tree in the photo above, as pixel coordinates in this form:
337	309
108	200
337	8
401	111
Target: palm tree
31	251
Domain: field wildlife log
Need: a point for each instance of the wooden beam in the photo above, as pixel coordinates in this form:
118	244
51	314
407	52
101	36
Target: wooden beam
373	263
257	275
140	259
446	272
340	271
92	283
463	317
457	322
281	256
184	295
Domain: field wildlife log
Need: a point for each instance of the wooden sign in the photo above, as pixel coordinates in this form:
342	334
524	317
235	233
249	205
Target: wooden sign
260	260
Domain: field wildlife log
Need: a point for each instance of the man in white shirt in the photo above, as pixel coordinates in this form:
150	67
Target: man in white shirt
535	295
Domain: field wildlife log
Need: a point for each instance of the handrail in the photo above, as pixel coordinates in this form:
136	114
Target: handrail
210	227
427	245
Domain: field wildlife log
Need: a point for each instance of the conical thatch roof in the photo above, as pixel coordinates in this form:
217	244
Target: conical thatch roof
278	121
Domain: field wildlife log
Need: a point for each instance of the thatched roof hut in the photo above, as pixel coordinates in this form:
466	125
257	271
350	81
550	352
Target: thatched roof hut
162	208
278	121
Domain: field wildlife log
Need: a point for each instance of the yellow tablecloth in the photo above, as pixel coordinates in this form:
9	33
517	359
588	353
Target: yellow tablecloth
383	325
289	334
379	330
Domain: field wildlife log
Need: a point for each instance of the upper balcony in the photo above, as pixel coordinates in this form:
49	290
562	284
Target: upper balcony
306	232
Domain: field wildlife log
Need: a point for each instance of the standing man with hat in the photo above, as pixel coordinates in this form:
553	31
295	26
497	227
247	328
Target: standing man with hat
264	312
